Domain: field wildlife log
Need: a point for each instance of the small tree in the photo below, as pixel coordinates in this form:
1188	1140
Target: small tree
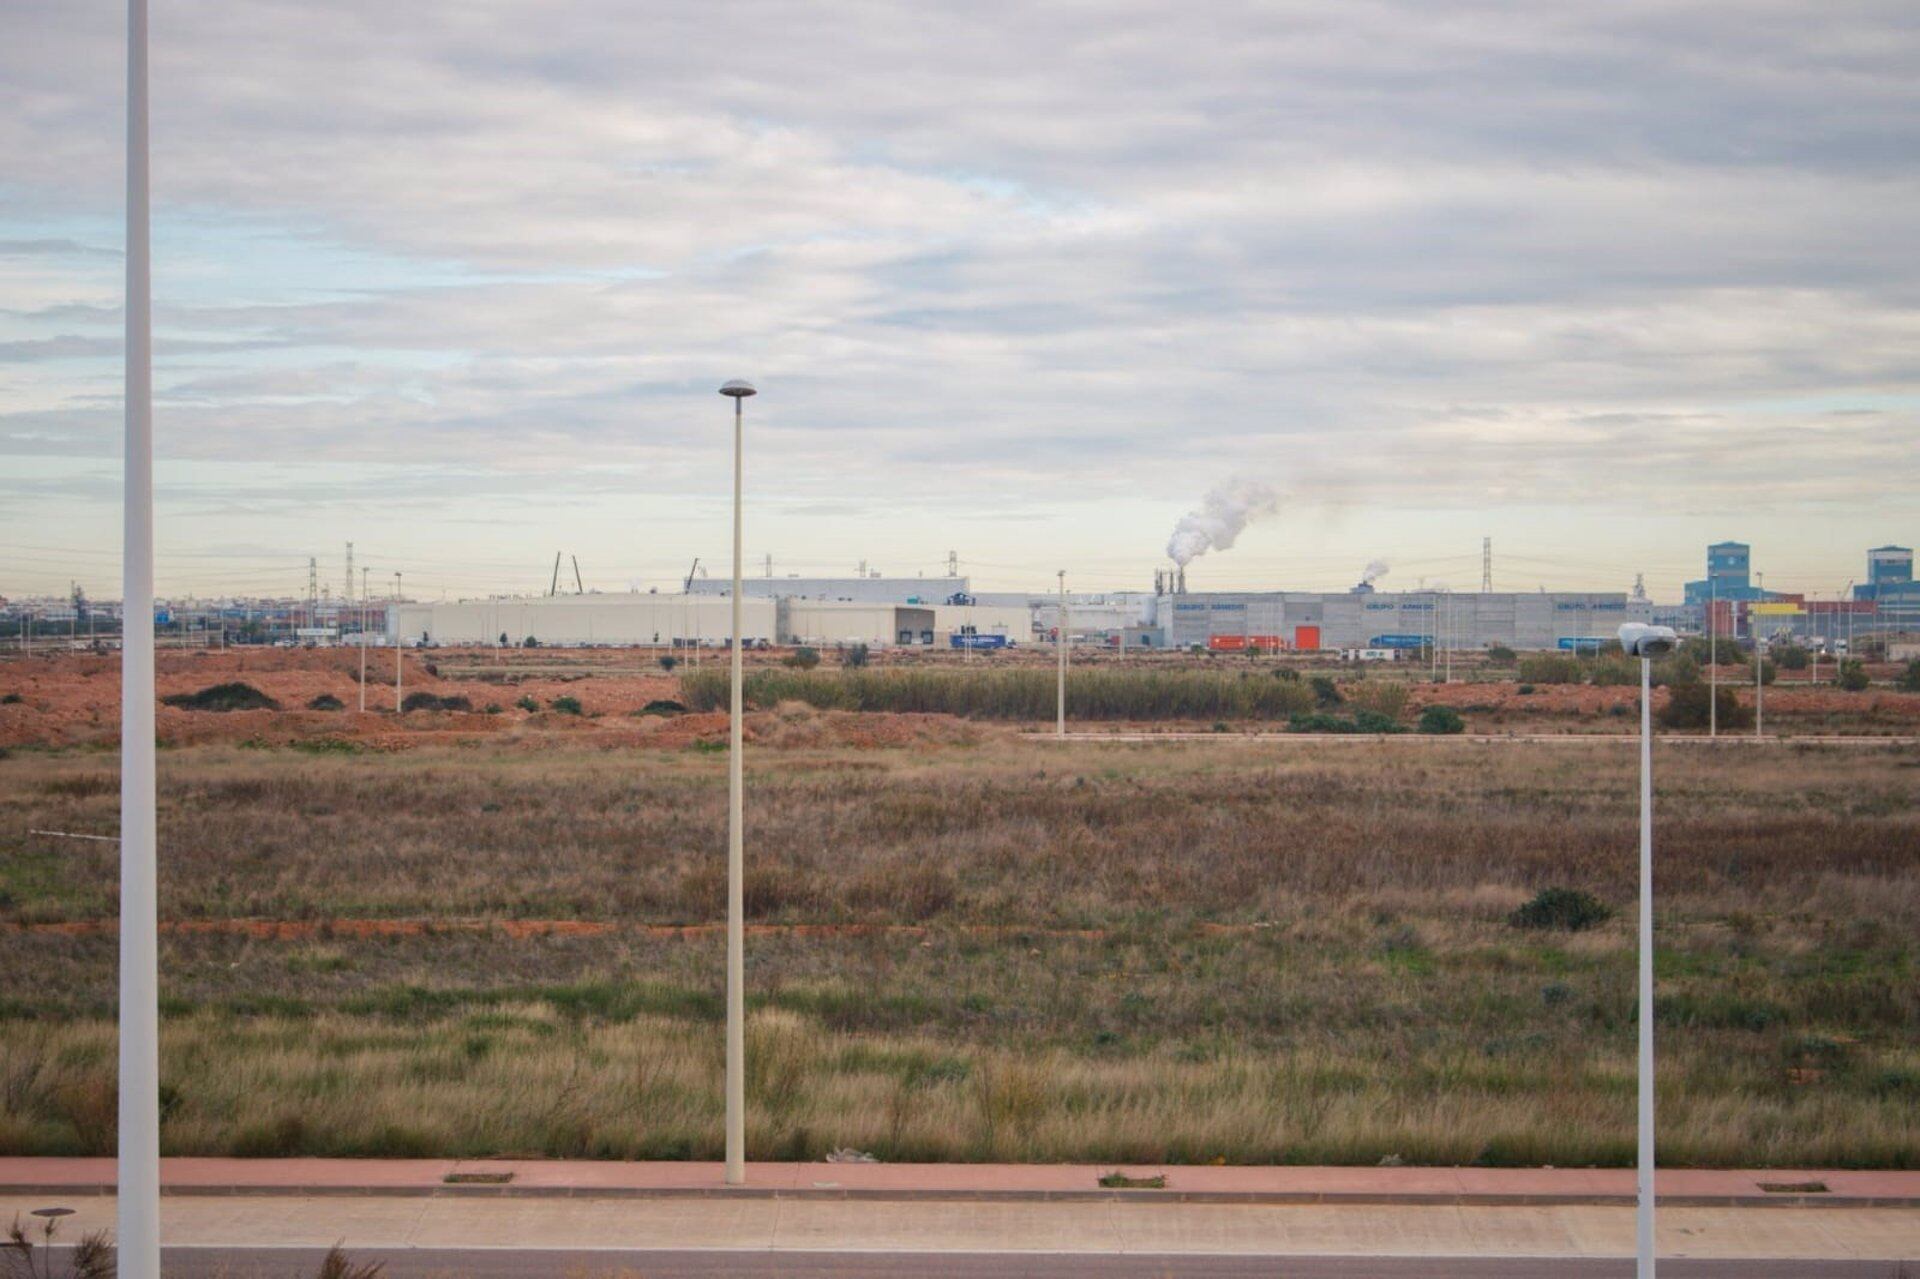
1691	706
668	661
802	658
1768	671
854	656
1910	682
1791	657
1853	675
1441	719
531	641
504	641
1501	655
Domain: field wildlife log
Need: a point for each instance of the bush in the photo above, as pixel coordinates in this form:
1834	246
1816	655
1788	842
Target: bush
1688	706
1012	694
1325	691
1550	668
1525	690
1910	681
233	696
1501	655
1675	668
526	703
425	701
326	702
668	661
531	641
1853	675
1382	697
11	699
661	706
567	704
1791	657
1441	719
802	659
1614	672
1768	671
855	657
1564	908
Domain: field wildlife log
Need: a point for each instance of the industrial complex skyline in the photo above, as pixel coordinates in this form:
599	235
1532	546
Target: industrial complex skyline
1010	282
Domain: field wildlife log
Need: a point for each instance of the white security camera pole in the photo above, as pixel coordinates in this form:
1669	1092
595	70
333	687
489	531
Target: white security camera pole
137	1212
1646	643
1060	643
738	390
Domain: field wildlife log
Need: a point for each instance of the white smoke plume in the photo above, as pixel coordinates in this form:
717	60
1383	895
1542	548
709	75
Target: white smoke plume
1376	569
1224	514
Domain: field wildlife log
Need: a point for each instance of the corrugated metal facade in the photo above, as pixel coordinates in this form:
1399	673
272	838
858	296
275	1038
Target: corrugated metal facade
583	619
1366	620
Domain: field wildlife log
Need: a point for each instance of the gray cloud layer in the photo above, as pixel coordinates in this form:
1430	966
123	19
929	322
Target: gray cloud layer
1438	254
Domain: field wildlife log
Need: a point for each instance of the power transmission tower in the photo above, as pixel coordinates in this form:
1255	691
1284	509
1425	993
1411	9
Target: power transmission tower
1486	565
313	588
769	563
953	563
347	595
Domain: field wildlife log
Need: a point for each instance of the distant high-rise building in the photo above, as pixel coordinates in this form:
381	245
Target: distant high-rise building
1729	575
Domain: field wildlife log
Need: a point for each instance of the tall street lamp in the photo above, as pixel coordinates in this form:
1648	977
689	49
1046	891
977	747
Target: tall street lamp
1646	643
1060	643
137	1212
738	390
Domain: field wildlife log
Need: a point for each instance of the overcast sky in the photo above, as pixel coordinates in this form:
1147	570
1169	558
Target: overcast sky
457	282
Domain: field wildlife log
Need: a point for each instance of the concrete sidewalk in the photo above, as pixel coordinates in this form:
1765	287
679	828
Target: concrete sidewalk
544	1232
974	1182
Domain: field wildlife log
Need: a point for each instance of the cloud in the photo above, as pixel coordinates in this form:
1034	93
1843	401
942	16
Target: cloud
1482	256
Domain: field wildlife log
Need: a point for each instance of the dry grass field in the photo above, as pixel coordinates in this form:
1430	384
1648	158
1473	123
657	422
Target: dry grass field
979	947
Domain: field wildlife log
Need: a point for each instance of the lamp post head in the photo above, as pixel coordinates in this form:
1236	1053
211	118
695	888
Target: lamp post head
738	388
1640	640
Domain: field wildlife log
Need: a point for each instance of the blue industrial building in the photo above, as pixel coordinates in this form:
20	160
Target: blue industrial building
1729	576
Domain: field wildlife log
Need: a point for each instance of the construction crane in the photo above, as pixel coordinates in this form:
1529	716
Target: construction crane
686	587
578	589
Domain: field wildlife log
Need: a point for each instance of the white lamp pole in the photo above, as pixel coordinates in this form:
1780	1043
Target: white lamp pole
1646	643
399	648
137	1214
1713	656
738	390
1060	643
1759	658
1643	1211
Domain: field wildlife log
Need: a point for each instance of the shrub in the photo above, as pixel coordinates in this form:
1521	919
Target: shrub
425	701
1853	675
1675	668
234	696
526	703
1688	706
1325	691
1525	690
567	704
668	661
1910	681
1501	655
802	659
1614	671
1382	697
1768	671
661	706
854	657
326	702
1441	719
1550	668
1012	694
11	699
1564	908
1791	657
531	641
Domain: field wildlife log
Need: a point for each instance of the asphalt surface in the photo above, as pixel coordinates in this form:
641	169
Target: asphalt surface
507	1263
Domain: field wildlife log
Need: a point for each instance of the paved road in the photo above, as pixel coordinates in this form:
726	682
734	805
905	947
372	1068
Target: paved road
503	1263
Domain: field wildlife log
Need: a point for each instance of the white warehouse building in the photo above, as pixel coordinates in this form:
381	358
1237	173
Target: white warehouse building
574	620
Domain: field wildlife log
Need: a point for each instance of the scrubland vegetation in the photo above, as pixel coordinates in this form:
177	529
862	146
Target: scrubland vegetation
1017	693
1169	952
